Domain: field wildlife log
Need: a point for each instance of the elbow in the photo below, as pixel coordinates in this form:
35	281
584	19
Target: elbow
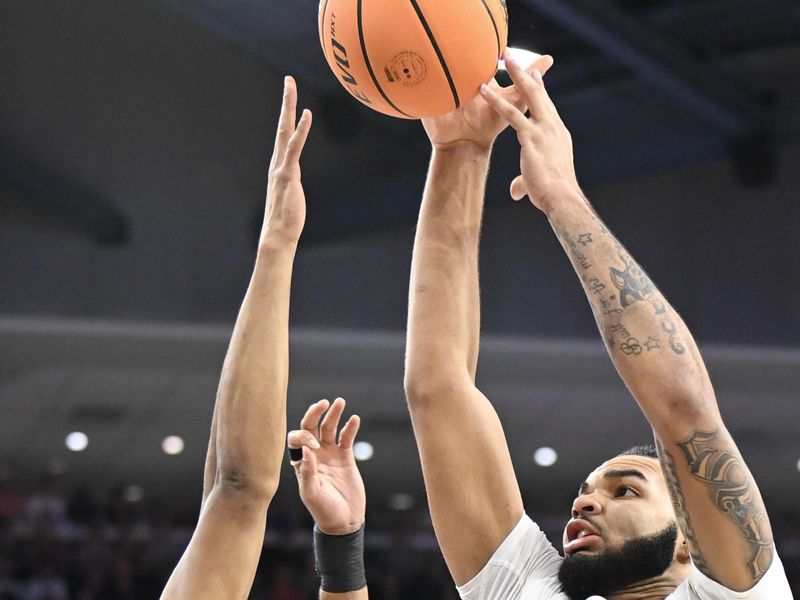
685	410
242	485
415	391
424	389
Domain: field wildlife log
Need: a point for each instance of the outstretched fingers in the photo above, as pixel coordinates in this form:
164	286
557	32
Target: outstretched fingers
310	421
291	135
307	437
329	425
531	87
287	119
298	140
505	109
348	433
514	93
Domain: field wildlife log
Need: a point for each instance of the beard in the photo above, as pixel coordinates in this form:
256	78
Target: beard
637	560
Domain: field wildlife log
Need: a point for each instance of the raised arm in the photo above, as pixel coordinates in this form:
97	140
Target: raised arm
249	422
333	492
472	490
716	499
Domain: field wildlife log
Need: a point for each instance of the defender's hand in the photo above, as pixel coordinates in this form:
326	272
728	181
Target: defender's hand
476	122
285	213
546	161
330	484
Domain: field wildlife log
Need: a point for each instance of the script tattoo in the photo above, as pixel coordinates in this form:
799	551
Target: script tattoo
635	286
729	483
631	282
575	251
679	505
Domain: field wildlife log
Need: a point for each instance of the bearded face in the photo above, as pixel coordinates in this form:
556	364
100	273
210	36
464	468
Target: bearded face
586	574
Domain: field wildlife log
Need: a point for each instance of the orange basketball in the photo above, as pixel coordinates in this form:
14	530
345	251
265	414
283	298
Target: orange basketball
413	58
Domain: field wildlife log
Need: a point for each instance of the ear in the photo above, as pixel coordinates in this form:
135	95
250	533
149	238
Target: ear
682	554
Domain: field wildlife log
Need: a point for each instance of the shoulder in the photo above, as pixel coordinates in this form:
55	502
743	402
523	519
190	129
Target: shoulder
524	567
773	586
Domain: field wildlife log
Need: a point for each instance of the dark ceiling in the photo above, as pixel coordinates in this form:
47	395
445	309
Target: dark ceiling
133	143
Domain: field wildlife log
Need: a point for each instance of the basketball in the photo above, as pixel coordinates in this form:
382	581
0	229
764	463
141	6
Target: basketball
413	58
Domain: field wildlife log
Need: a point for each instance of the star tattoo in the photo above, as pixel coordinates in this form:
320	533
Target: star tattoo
651	344
584	239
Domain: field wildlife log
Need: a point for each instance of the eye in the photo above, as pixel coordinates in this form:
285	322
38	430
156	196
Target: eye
624	490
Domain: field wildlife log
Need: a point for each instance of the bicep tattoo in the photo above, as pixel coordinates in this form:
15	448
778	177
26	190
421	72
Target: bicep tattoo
679	505
731	488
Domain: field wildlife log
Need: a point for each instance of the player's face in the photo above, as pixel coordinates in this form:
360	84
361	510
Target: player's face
625	498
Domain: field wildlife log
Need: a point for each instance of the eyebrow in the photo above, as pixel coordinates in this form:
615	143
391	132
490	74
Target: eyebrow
615	474
619	474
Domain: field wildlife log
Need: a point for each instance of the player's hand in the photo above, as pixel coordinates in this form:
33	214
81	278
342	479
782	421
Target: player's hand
285	213
330	484
546	162
476	122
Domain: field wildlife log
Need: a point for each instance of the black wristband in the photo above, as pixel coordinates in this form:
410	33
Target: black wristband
339	560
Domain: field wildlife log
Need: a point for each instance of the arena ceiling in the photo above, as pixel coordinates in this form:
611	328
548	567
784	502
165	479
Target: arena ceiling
133	142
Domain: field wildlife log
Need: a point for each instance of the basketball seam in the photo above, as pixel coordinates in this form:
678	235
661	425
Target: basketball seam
322	30
436	49
369	65
494	25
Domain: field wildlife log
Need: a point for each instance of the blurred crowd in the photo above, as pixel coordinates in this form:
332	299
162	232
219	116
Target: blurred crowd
59	547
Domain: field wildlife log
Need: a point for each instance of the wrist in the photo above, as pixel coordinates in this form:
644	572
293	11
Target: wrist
464	149
276	241
346	529
339	560
562	197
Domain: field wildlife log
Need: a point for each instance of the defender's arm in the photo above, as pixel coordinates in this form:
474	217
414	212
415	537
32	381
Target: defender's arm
249	422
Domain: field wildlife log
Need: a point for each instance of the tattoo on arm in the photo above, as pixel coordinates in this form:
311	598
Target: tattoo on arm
632	285
679	505
575	248
732	490
635	286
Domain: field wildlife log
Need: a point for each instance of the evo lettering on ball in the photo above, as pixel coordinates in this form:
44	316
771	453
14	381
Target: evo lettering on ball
340	54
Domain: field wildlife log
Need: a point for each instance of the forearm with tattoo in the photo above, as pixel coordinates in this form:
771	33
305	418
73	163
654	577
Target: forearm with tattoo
614	282
713	493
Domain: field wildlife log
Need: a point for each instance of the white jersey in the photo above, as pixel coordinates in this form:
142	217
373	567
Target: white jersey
525	567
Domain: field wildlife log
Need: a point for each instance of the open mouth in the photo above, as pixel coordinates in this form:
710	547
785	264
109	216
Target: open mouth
581	536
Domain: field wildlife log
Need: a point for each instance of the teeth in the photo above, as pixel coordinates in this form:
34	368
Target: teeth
583	533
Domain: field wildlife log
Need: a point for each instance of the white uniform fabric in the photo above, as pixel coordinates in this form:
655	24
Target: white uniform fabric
525	567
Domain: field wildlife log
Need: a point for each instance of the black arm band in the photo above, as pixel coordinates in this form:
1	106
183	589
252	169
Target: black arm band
340	561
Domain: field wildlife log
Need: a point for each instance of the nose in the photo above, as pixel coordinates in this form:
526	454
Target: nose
585	504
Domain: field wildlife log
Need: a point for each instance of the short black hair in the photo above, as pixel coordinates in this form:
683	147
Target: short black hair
648	450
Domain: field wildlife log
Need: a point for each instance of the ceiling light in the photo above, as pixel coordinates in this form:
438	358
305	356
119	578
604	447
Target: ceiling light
545	457
363	450
172	445
401	501
77	441
133	493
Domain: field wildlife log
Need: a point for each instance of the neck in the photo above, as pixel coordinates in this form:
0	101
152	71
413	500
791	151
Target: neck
656	588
